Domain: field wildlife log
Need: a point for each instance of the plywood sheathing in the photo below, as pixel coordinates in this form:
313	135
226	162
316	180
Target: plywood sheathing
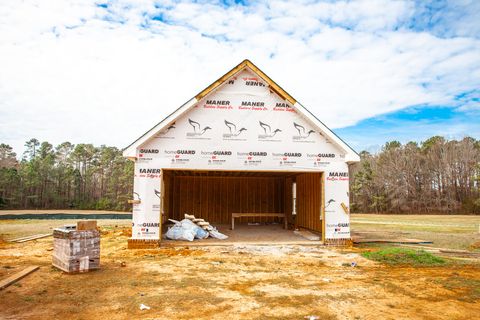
309	199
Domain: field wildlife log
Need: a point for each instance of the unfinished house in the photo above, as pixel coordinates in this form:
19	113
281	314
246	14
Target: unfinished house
243	150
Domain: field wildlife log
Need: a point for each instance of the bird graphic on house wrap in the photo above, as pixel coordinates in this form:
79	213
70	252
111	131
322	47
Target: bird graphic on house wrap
301	130
197	128
266	126
233	128
329	202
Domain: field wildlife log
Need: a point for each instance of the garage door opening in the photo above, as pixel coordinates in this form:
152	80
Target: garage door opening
296	198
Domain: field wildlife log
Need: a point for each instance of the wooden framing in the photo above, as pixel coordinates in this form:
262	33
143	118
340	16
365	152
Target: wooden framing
244	64
309	201
215	195
162	204
255	214
322	207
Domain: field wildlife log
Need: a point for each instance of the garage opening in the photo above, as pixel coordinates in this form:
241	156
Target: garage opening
215	195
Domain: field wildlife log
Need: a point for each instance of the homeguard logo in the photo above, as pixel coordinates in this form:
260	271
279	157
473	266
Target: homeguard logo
232	128
197	129
149	151
177	152
302	132
267	131
146	154
320	155
292	154
216	153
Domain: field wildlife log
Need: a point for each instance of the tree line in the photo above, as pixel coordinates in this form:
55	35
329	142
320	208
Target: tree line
78	176
435	176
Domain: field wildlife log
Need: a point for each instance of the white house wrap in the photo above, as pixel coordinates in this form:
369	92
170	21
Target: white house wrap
243	123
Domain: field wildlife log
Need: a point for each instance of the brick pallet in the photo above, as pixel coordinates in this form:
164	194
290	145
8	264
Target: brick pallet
76	250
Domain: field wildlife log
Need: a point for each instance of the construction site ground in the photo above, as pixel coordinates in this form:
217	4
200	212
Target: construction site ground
244	280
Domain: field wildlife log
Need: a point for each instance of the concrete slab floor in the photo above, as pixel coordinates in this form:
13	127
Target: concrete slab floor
249	234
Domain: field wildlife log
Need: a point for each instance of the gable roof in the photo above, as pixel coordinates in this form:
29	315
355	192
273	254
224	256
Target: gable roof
350	154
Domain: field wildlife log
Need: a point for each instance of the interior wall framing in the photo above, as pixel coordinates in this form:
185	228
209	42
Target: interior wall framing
213	196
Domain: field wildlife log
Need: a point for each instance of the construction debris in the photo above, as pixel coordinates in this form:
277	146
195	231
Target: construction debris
87	225
32	237
76	250
144	307
192	228
17	276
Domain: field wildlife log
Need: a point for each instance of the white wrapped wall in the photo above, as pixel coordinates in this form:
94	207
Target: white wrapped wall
240	126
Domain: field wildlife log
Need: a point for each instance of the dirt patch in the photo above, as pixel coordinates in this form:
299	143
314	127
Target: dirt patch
238	282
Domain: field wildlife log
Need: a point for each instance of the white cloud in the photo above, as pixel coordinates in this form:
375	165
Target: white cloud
71	70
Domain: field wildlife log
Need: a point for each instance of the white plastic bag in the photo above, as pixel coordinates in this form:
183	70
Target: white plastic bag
199	233
217	235
177	232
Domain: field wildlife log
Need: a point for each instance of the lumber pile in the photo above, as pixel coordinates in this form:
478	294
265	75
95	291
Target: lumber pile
205	225
77	250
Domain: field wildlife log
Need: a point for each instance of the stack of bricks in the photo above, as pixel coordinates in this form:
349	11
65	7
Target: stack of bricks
77	249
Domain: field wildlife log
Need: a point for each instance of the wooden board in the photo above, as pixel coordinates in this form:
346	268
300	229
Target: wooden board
86	225
32	237
17	276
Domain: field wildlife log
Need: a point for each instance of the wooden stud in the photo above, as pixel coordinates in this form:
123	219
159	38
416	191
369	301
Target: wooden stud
161	208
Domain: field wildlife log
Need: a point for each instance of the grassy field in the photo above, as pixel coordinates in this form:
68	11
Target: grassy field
245	282
445	231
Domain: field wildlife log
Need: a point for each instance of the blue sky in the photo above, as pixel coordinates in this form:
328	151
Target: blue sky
105	71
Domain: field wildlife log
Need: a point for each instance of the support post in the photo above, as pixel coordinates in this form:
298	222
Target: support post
322	205
162	201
